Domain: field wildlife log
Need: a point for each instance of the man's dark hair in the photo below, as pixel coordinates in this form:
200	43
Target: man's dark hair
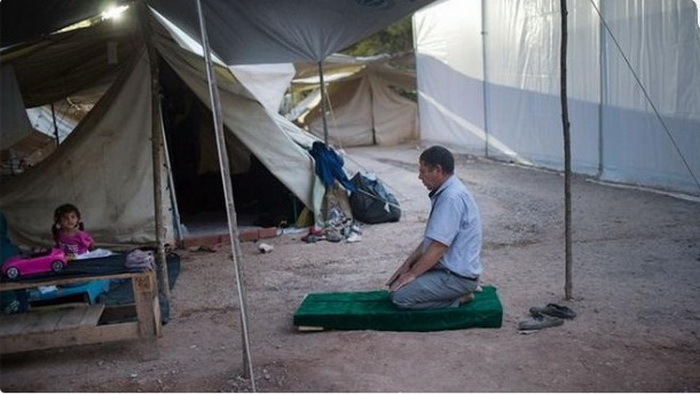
438	155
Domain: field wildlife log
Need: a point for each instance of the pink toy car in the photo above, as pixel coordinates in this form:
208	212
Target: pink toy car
53	260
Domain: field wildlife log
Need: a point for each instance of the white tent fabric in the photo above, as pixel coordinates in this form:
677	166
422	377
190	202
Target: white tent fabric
497	93
104	167
267	82
48	121
662	40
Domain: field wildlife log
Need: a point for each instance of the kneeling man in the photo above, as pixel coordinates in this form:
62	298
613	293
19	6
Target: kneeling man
443	271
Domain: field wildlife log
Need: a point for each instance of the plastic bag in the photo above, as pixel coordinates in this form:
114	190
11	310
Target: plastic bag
372	203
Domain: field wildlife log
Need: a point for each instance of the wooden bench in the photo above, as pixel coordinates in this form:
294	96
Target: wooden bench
79	324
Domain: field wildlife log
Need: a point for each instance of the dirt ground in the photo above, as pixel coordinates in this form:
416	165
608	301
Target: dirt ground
636	287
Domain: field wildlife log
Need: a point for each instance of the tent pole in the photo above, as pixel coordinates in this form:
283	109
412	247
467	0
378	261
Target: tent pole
323	103
157	148
567	154
171	181
485	84
602	101
55	126
228	195
371	105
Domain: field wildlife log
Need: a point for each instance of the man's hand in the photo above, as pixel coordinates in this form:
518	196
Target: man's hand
403	279
417	264
395	276
410	260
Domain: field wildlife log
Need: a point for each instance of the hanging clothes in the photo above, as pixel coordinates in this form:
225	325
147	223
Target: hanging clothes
329	166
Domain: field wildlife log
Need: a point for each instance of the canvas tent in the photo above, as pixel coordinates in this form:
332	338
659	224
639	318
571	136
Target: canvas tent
113	216
251	125
364	103
488	81
104	167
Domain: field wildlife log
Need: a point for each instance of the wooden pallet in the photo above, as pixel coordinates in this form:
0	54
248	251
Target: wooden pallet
79	324
51	319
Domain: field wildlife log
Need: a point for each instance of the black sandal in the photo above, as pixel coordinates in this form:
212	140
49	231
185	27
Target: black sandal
554	310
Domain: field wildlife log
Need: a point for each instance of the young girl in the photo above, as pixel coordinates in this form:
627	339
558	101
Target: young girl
69	232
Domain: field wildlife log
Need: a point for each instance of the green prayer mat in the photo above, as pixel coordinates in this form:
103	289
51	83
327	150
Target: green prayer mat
373	310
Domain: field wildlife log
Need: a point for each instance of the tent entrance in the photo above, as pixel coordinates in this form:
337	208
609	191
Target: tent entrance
261	199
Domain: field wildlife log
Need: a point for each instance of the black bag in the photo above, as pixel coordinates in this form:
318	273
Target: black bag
372	203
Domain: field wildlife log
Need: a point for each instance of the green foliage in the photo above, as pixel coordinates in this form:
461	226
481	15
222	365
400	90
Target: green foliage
397	37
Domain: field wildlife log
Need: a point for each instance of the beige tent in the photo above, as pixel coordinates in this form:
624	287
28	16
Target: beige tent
365	106
105	165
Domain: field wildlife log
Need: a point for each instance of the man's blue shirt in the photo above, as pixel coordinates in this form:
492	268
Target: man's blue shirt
455	222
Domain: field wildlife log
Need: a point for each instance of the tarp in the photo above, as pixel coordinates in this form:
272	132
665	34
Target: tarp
488	81
240	32
283	31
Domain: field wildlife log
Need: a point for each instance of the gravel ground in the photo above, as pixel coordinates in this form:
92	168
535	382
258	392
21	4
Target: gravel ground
636	289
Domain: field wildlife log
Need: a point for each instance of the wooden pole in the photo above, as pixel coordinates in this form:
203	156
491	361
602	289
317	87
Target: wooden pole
567	155
55	125
171	181
323	103
157	149
228	195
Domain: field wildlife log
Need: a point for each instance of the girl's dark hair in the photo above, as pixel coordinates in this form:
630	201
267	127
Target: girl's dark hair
58	213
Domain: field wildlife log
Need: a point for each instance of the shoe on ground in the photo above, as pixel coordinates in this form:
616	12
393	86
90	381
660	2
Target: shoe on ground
538	322
553	310
354	237
333	235
311	238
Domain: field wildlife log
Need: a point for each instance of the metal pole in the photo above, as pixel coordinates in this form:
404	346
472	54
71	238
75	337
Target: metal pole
485	85
157	147
567	155
228	194
602	64
323	103
371	106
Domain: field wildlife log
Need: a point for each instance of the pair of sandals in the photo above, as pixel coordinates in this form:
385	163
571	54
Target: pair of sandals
552	315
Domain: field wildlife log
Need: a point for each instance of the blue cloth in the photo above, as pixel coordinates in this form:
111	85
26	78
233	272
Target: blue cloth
329	166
